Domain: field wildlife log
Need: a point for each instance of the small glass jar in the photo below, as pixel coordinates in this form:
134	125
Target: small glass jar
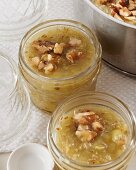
14	103
46	92
92	98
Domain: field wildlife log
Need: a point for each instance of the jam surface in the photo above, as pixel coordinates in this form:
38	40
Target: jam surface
92	135
60	53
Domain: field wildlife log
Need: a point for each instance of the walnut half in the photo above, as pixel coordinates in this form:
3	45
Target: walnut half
74	42
73	55
58	48
86	135
89	125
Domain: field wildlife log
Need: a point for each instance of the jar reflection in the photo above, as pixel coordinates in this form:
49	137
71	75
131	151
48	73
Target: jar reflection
14	102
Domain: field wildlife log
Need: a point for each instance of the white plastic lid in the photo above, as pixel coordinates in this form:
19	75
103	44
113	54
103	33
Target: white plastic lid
30	157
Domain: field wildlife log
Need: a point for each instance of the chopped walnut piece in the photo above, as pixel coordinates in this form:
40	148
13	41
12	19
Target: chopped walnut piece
124	12
84	121
56	59
124	2
74	42
119	9
53	58
43	46
88	119
134	12
132	6
78	116
97	126
36	60
86	135
116	7
73	55
49	57
118	137
102	1
41	65
51	54
113	11
118	17
48	68
131	18
44	57
58	48
48	44
85	118
79	53
83	127
88	125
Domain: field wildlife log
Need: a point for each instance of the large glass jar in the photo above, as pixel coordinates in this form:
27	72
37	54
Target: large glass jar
14	102
91	98
47	92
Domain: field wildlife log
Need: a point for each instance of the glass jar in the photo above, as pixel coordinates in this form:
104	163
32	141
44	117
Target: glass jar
93	98
22	16
14	102
46	92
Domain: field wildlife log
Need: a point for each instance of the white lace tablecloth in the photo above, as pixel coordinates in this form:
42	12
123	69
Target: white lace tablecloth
110	81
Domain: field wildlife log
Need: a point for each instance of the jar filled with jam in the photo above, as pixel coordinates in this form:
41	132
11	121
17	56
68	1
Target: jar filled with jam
92	131
58	58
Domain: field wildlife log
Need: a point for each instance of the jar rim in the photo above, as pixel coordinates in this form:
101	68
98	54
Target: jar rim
122	158
98	50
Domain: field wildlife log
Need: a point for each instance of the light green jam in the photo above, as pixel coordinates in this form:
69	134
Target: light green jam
75	53
59	61
92	134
